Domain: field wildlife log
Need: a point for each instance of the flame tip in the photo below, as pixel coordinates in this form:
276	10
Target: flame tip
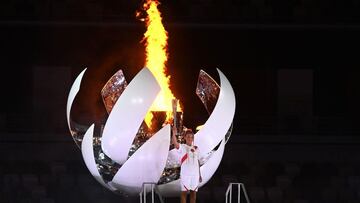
155	41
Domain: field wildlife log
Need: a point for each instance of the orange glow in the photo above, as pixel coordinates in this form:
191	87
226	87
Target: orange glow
155	39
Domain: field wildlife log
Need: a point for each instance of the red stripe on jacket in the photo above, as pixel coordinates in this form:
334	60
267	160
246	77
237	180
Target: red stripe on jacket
184	158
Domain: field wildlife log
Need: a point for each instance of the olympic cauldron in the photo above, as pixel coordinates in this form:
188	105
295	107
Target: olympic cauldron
125	153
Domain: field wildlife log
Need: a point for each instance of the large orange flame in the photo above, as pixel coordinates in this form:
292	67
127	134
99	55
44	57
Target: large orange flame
155	39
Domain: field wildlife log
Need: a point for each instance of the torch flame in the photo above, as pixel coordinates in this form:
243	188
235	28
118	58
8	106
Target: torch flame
155	39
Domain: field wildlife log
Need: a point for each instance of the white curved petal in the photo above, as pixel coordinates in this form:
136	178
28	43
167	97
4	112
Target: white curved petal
87	151
208	169
219	122
127	115
73	92
146	164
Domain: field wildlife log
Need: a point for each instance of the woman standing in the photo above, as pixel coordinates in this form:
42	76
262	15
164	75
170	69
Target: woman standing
190	176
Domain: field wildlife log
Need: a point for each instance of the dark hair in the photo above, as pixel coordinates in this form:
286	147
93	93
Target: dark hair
187	131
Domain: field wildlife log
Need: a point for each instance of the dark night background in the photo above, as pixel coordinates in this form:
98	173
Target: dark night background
294	66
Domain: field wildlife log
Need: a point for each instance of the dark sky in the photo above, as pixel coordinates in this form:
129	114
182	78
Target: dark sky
245	40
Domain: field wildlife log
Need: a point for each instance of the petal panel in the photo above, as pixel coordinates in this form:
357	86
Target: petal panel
146	164
220	120
87	151
127	115
73	92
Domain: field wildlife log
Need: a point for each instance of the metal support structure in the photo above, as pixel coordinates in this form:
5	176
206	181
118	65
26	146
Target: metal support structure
153	191
229	192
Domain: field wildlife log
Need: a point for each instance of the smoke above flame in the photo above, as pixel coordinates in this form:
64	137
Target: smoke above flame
155	40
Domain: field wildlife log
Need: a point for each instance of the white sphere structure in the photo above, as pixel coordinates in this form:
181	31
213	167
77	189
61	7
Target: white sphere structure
131	166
